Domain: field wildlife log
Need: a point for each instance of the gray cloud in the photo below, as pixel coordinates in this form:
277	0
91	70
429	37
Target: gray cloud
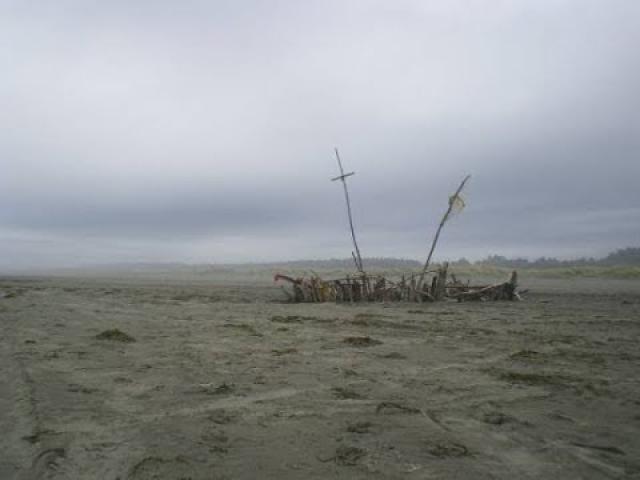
204	130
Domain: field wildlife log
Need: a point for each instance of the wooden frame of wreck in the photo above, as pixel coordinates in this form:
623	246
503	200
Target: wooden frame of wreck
410	287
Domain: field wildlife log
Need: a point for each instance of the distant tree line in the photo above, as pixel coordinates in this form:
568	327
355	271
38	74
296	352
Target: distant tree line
622	257
347	263
629	256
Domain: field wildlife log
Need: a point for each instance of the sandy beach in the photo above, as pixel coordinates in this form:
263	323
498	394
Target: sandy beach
198	381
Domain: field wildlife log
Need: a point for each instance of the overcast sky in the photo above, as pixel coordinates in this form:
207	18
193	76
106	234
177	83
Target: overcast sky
203	131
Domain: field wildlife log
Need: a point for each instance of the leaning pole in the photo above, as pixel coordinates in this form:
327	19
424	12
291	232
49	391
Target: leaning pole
343	177
452	201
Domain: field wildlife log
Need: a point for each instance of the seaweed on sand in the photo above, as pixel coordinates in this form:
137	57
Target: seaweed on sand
361	341
115	335
346	456
346	394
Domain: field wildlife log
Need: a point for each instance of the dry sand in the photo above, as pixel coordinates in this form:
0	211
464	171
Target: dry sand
222	382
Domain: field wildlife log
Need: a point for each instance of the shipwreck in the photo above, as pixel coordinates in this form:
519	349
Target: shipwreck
428	285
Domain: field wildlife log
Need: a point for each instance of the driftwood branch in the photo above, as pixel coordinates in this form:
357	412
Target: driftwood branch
437	235
343	176
500	291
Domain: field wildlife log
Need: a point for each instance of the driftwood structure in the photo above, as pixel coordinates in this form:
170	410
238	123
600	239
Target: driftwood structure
362	287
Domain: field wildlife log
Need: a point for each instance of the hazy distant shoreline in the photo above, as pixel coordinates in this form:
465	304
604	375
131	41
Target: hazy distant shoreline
263	272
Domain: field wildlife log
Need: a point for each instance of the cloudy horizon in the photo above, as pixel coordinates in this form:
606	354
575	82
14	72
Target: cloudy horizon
203	132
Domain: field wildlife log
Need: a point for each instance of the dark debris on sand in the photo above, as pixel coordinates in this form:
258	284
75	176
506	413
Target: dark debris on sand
447	449
346	456
361	341
393	407
359	427
115	335
346	394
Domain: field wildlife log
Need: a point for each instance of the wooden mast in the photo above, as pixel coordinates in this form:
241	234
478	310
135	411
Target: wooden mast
452	201
343	176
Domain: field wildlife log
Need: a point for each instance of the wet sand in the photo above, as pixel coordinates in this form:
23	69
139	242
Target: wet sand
224	382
